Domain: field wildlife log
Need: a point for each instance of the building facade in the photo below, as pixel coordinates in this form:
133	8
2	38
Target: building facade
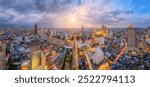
131	38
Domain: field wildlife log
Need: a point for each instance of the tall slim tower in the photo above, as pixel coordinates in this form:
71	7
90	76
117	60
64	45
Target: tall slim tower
103	27
83	34
131	33
35	29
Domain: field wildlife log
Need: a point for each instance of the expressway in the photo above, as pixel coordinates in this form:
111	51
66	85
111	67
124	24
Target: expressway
122	51
88	61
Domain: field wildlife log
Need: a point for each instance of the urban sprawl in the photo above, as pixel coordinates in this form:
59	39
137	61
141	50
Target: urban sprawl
82	48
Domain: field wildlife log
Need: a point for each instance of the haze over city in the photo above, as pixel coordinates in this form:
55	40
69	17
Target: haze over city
74	13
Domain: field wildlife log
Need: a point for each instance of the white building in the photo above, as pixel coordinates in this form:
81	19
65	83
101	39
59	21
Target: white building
98	56
110	34
102	41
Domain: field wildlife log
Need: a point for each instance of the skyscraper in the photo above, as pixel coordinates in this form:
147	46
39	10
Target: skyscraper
104	31
83	34
149	31
132	44
35	29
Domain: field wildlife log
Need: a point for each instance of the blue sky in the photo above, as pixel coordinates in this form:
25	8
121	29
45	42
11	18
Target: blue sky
75	13
138	6
142	6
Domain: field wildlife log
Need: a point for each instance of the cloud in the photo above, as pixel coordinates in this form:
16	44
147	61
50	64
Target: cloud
28	12
69	13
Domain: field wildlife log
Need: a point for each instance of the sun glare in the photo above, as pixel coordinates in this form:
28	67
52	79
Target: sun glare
73	20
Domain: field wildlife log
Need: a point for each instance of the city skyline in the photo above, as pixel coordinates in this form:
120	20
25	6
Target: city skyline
74	13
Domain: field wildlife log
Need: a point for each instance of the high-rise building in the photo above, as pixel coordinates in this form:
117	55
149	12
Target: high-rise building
104	31
37	58
149	31
131	35
35	29
83	34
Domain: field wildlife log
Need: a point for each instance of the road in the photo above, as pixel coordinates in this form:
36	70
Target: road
106	66
88	61
122	51
74	44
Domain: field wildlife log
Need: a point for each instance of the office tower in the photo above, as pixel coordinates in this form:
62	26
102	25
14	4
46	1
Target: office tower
132	44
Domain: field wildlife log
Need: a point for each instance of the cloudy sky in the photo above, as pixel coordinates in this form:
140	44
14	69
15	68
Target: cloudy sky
74	13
